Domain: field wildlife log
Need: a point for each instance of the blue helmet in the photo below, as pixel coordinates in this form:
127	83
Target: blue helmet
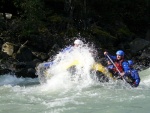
120	52
130	62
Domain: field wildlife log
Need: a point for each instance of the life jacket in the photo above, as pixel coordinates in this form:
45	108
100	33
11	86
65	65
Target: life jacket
118	64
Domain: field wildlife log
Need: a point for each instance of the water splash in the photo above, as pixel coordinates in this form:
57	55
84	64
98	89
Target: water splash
13	80
145	77
73	69
68	68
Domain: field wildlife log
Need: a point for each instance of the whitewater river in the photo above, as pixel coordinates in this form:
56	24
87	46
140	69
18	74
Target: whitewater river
20	95
62	94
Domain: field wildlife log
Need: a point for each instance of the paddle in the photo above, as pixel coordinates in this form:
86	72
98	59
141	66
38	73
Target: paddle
115	66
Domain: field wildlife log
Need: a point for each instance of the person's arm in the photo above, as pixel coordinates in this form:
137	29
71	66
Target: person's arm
111	56
126	67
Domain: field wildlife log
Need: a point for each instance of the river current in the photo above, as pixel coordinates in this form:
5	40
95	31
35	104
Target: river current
60	94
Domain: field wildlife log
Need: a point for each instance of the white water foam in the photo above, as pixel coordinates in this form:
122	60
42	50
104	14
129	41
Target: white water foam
145	77
62	78
13	80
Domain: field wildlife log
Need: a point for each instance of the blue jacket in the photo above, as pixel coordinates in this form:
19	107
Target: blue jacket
125	64
136	78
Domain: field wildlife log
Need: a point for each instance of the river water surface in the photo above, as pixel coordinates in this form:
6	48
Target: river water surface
62	95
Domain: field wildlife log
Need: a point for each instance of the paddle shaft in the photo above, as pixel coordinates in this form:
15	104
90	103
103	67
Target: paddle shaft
115	66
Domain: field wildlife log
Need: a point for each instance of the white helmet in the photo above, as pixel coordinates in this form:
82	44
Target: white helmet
78	42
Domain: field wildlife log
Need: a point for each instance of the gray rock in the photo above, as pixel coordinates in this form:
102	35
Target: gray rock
138	44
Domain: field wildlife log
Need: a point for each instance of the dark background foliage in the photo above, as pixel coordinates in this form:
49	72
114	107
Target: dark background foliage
44	23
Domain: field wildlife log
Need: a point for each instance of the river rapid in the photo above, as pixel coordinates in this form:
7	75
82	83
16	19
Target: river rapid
60	94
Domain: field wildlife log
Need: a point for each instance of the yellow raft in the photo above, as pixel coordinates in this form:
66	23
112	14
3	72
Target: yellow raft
44	73
96	66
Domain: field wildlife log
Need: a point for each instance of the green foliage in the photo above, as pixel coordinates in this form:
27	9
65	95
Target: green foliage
56	19
2	25
123	32
31	15
72	32
104	38
33	9
96	30
98	18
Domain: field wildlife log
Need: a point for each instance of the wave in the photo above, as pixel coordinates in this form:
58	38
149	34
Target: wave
13	80
145	77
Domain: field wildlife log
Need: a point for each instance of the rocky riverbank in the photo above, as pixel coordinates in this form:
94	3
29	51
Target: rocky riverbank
21	60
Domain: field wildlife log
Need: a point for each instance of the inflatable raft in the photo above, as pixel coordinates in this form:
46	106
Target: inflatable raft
46	70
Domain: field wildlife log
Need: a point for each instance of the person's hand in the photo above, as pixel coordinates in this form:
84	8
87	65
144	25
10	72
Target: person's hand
122	74
105	53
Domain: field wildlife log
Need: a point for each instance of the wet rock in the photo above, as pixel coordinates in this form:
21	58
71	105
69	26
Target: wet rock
42	56
24	54
31	72
8	48
3	55
33	63
55	49
1	43
4	71
25	69
138	44
146	53
18	65
148	35
26	73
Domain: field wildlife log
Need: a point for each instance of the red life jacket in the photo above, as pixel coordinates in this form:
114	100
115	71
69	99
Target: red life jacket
118	64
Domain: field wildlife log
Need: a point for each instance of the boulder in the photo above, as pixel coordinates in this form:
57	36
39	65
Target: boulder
25	69
41	55
8	48
3	55
146	53
148	35
25	72
24	54
1	43
4	71
138	44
